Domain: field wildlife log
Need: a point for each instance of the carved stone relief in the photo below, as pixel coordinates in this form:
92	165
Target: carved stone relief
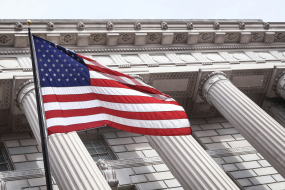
50	26
232	36
191	76
279	37
9	63
105	60
5	94
257	36
265	55
266	25
109	174
206	37
160	58
137	25
153	38
214	57
257	89
80	26
6	39
179	37
240	56
164	25
18	26
20	123
126	38
216	25
109	26
189	25
67	39
241	25
186	58
98	38
132	59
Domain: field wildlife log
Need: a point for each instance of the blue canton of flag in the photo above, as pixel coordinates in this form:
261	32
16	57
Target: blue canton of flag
58	66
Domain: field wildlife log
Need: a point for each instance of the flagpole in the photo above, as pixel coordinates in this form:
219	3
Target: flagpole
40	113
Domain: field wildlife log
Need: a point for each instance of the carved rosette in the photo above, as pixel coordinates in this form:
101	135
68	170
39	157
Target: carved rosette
18	26
216	25
137	25
153	38
206	37
164	25
6	39
80	26
98	38
179	37
232	36
109	26
257	36
67	39
189	25
50	26
241	25
279	37
266	25
126	38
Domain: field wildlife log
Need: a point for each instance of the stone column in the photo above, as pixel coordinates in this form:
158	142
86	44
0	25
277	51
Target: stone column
279	84
190	164
265	134
71	165
278	113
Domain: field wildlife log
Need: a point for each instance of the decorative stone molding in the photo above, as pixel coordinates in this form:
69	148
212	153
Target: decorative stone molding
50	26
18	26
20	123
153	38
67	39
203	95
134	162
206	37
98	38
190	25
279	37
241	25
276	88
232	36
6	39
5	94
137	25
109	174
109	26
164	25
126	38
266	25
80	26
216	25
257	36
22	90
231	151
22	174
179	37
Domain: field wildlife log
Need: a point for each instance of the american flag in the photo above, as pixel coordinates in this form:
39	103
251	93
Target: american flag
78	93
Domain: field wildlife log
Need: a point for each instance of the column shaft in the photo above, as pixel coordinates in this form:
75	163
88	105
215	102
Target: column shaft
190	164
71	165
261	130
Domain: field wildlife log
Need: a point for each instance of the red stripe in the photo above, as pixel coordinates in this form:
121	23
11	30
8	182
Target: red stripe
166	115
107	98
145	131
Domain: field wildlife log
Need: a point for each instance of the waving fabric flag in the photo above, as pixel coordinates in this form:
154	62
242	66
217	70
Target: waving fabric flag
78	93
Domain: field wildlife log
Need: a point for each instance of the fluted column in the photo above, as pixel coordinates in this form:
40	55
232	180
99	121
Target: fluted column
71	165
261	130
190	164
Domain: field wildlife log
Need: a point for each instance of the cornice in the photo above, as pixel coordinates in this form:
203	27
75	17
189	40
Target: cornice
152	49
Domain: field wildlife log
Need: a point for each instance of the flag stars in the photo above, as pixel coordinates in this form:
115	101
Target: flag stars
46	74
49	70
40	60
51	55
70	74
50	79
39	50
69	65
42	69
56	60
67	80
47	50
58	79
78	74
45	64
54	74
64	60
74	69
66	70
59	55
76	64
53	65
83	78
44	55
82	69
61	65
75	79
58	70
43	79
54	50
48	60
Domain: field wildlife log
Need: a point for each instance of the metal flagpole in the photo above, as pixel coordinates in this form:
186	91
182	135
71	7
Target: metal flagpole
40	113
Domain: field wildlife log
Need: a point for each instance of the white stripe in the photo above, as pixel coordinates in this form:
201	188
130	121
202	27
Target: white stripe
100	75
147	107
161	124
92	89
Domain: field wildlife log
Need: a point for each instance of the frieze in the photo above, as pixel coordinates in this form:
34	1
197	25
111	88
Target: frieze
20	123
257	36
109	26
67	39
41	35
126	38
231	151
6	39
5	93
22	174
232	36
191	76
206	37
98	38
164	25
179	37
279	37
136	49
257	89
153	38
114	164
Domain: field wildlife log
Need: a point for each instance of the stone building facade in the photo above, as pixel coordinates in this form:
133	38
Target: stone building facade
229	76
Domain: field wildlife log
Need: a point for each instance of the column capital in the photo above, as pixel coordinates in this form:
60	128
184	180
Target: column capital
279	84
22	91
208	81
